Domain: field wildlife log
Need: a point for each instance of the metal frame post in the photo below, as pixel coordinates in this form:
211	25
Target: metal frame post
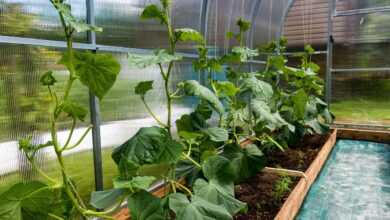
94	109
329	56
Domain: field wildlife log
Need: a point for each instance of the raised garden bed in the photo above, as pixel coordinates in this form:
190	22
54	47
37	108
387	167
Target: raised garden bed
307	157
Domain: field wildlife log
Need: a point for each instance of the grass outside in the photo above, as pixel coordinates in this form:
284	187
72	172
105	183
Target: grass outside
79	166
366	111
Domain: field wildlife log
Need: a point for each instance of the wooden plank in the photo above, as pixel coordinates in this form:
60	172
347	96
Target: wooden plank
364	135
293	203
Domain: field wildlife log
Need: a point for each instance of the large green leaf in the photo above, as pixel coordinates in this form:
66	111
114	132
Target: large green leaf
218	168
188	34
245	162
263	113
106	199
194	88
96	71
260	90
65	10
150	145
217	134
32	201
222	195
300	99
196	208
145	206
143	61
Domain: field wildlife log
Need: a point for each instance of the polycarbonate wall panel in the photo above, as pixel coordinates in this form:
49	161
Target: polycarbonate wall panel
361	98
307	23
123	26
25	110
368	28
221	18
123	112
367	55
269	20
36	19
342	5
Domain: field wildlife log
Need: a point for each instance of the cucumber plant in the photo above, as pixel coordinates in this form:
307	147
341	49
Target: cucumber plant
52	198
154	154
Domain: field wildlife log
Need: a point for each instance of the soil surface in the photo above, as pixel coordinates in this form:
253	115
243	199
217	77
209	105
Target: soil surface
258	192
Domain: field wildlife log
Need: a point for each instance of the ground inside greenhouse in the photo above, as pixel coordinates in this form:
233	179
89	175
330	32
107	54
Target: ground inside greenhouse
258	191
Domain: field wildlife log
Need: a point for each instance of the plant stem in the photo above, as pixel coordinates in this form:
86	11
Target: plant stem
181	186
79	141
152	114
70	133
192	160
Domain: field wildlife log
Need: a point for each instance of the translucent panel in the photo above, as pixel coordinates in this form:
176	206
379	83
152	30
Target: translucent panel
36	19
361	98
123	112
369	28
307	23
342	5
222	17
24	111
361	55
123	27
269	20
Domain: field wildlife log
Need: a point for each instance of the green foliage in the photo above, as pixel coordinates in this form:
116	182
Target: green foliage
106	199
281	187
71	22
196	208
73	110
194	88
151	145
48	79
188	34
154	12
135	184
217	134
145	206
245	162
96	71
143	87
32	200
160	57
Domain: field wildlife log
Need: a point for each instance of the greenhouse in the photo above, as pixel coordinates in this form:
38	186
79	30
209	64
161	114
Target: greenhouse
194	109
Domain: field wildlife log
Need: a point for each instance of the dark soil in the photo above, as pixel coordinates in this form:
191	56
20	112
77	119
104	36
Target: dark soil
257	192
